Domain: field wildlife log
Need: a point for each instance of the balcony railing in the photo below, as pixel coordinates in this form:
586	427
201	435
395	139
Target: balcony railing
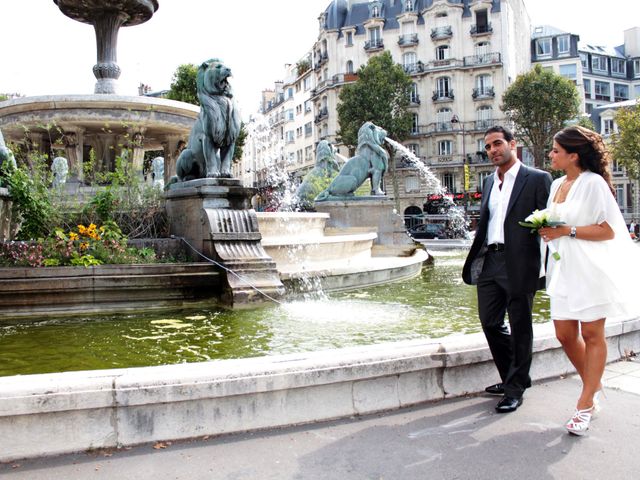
441	32
321	59
484	92
599	96
408	40
483	125
322	114
442	96
376	44
481	29
414	99
482	59
410	68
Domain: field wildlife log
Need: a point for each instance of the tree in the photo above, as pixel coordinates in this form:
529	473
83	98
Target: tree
625	145
184	89
539	103
183	84
380	95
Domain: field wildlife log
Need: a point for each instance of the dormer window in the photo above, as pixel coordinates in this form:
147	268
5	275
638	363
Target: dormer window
408	6
375	11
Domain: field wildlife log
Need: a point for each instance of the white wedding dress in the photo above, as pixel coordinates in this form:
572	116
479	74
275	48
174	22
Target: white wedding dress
592	279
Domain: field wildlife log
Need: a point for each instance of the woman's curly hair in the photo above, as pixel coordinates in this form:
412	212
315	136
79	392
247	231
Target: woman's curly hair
592	152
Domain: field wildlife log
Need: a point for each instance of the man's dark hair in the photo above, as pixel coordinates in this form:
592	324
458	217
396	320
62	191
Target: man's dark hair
508	136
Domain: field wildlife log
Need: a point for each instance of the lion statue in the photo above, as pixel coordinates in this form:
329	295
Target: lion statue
213	137
326	167
371	161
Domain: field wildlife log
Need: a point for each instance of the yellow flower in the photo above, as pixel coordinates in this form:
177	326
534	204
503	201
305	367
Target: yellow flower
82	229
84	246
73	236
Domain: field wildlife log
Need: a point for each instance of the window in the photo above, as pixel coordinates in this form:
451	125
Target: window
307	106
636	91
408	6
587	87
563	45
349	66
442	52
543	47
618	66
445	147
298	109
289	92
415	128
308	153
409	61
619	195
444	87
289	136
443	119
484	116
289	116
291	157
413	95
620	92
484	84
307	129
412	184
584	59
306	83
408	28
441	14
602	90
375	11
298	132
349	39
569	71
299	155
449	182
588	108
414	148
607	126
636	68
374	36
599	63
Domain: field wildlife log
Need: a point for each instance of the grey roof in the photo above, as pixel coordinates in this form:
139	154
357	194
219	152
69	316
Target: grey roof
339	14
602	50
540	31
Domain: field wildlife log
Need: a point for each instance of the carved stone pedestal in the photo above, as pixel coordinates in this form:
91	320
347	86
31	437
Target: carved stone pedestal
216	218
374	213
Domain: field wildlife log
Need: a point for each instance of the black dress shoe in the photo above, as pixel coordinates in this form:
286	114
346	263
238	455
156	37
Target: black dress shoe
497	389
508	404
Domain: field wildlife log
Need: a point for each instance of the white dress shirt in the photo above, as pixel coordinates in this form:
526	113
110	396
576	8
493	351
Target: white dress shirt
499	202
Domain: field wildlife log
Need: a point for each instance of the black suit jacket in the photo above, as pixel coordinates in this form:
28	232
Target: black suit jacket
522	248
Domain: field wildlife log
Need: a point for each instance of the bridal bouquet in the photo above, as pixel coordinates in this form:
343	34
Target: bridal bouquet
539	219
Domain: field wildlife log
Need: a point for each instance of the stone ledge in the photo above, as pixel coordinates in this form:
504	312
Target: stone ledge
58	413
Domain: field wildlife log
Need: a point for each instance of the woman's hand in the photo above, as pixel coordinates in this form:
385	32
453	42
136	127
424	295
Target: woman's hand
551	233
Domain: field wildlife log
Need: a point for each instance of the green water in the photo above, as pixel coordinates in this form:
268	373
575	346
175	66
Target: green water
433	305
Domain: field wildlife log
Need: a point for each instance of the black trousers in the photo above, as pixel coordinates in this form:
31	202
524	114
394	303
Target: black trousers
511	350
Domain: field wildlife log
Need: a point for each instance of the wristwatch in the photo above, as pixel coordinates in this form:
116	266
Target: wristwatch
572	234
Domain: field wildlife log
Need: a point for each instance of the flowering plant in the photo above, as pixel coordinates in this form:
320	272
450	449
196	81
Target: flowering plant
539	219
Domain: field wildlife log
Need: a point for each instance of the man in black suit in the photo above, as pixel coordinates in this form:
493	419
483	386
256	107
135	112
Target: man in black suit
504	262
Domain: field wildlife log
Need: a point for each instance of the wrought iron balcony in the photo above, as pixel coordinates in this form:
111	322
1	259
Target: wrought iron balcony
410	68
482	59
483	125
414	99
408	40
484	92
371	45
442	96
441	32
481	29
322	114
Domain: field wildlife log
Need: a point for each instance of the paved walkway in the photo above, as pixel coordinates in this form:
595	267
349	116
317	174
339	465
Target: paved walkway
451	439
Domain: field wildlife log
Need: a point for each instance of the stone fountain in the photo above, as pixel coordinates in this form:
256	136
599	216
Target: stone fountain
72	125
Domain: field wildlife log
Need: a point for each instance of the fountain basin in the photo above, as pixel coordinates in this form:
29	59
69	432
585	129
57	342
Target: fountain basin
66	412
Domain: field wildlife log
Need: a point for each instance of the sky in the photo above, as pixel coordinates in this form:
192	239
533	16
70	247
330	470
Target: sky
45	52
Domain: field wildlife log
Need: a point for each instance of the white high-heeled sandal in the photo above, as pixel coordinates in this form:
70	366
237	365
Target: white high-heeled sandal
596	399
579	423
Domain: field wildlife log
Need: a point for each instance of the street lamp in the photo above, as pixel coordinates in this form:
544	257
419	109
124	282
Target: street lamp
465	166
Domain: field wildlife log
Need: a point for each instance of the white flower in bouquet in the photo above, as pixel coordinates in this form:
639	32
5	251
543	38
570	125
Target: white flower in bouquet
543	218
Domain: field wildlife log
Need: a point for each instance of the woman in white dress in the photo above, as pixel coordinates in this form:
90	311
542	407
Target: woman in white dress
590	281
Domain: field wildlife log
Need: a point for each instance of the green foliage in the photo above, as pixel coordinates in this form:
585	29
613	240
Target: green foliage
380	95
183	84
540	102
303	66
240	141
3	97
585	121
625	145
32	199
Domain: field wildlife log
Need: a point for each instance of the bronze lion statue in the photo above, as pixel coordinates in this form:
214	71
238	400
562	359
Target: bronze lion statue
371	161
213	137
326	167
